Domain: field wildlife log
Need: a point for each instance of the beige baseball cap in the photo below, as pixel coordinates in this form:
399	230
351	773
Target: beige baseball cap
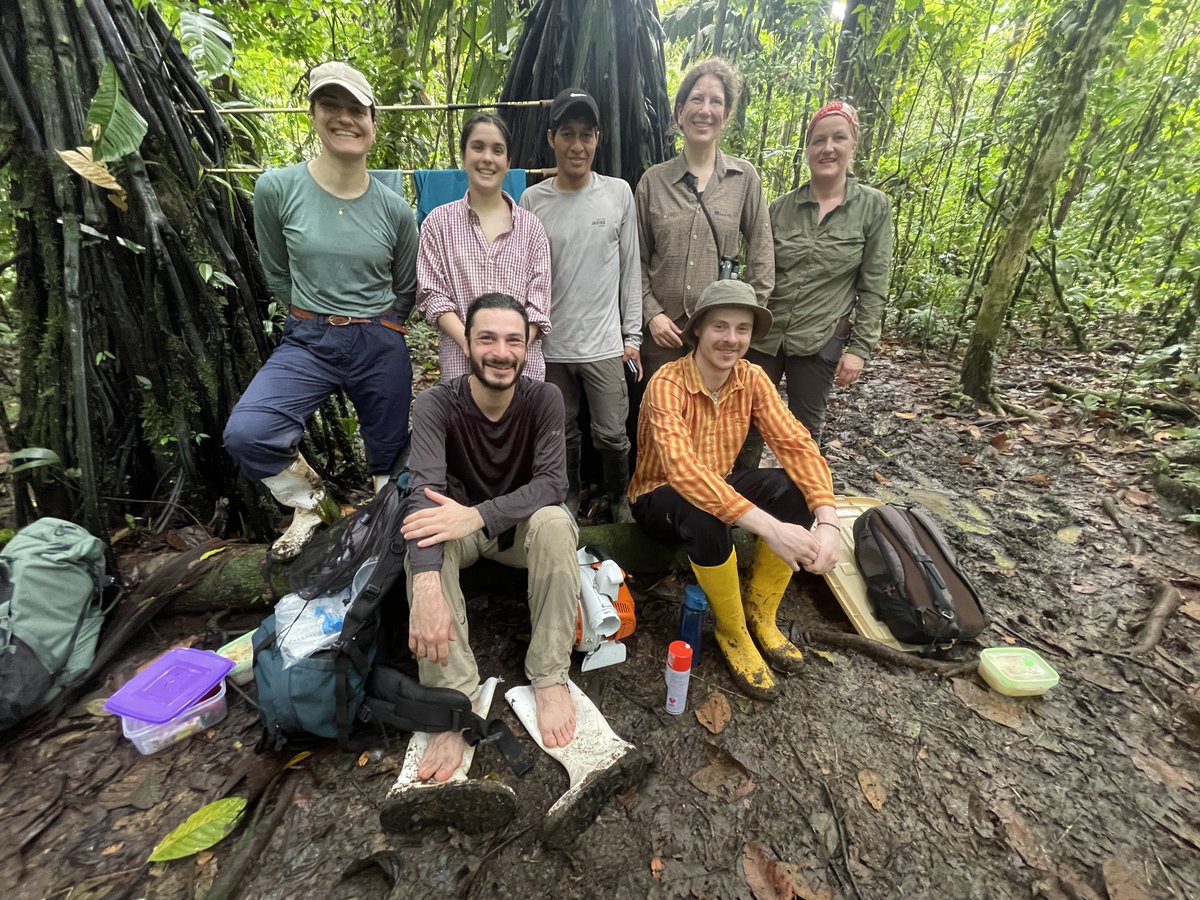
341	75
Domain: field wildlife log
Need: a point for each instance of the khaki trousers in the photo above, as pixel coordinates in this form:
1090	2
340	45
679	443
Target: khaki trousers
545	545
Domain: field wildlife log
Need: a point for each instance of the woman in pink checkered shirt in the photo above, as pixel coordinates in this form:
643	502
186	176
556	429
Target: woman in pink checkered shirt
481	244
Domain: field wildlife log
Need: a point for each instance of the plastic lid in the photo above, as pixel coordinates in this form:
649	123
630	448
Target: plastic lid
694	597
679	656
169	685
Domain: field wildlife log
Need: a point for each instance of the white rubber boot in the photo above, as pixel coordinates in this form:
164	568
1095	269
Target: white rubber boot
299	487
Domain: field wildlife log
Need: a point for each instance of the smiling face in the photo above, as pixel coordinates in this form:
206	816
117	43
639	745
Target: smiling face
497	347
574	146
722	338
831	146
485	158
344	125
703	114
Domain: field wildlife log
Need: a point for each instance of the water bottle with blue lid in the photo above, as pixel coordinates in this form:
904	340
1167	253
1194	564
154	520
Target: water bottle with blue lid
691	619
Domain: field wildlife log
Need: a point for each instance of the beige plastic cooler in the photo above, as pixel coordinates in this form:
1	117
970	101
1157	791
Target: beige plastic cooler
847	583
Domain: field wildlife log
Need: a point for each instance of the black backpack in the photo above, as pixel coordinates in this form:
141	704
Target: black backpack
324	695
913	579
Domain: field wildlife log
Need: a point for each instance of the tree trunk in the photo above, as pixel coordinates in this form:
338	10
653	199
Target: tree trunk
1049	162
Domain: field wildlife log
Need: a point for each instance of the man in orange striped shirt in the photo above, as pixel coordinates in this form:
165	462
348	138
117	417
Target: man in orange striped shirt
694	418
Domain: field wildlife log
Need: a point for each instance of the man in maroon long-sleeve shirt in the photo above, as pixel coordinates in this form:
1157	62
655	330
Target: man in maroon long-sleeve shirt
488	477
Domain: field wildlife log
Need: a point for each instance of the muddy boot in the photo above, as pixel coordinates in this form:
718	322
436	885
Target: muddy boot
769	578
299	487
745	663
750	456
616	485
573	454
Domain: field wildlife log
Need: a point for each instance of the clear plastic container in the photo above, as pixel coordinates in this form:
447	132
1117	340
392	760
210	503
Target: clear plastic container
241	651
150	737
1016	671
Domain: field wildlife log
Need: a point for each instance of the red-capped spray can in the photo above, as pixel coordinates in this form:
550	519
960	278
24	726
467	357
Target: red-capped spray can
678	672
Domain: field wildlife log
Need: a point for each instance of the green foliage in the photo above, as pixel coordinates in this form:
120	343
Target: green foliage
113	126
207	43
202	829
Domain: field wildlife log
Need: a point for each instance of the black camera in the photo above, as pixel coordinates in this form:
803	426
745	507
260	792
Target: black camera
729	269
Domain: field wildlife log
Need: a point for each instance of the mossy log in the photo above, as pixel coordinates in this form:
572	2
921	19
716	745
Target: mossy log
1171	409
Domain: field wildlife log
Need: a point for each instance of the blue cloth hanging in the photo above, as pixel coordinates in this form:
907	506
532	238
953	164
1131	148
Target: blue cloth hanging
438	186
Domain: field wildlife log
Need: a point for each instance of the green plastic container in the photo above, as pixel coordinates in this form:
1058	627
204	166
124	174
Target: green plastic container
241	651
1016	671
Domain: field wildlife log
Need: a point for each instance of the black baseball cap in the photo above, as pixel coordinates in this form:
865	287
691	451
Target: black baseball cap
573	99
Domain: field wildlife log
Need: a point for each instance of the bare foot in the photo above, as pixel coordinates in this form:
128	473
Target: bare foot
443	754
555	714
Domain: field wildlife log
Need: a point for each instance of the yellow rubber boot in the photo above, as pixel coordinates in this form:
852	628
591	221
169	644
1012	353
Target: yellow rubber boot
745	663
769	578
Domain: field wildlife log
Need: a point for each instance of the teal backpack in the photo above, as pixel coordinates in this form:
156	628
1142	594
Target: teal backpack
52	580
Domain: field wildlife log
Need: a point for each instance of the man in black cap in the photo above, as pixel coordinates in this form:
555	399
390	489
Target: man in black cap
595	304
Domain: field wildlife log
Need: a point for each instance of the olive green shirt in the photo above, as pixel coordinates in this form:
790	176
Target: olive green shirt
830	269
679	254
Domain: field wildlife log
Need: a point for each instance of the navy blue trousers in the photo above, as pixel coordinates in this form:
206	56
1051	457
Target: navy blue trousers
368	361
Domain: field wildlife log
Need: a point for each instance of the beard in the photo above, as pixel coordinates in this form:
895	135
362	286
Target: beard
479	370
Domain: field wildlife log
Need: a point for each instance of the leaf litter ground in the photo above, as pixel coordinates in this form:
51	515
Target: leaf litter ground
860	781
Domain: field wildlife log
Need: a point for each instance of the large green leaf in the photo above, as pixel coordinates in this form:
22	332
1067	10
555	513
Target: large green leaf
32	458
207	42
201	830
113	126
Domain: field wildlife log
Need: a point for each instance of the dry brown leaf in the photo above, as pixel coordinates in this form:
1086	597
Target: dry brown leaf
882	479
1161	773
112	848
991	706
966	460
1001	443
364	758
724	778
1191	609
714	713
1084	588
973	431
1139	498
1020	837
1120	883
1040	478
905	415
656	867
771	880
873	788
80	161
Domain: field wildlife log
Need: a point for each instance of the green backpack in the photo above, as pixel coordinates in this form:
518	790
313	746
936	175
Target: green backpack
51	608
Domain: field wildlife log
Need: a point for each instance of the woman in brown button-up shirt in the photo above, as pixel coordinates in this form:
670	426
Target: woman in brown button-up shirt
680	256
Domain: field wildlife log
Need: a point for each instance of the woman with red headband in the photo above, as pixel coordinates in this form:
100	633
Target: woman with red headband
833	251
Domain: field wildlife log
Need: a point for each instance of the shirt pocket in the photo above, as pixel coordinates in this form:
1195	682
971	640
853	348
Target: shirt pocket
792	246
840	248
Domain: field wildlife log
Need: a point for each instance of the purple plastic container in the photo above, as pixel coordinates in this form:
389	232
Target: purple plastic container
169	685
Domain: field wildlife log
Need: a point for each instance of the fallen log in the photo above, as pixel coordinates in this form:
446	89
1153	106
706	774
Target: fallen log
840	640
1172	409
1136	545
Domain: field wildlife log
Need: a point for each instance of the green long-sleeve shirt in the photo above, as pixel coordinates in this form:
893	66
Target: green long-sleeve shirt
830	269
339	257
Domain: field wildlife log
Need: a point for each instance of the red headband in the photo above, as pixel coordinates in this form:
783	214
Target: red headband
836	108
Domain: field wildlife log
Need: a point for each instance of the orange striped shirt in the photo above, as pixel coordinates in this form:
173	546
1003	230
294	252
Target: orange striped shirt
690	441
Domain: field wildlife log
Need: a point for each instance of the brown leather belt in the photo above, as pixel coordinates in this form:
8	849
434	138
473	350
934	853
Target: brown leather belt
346	320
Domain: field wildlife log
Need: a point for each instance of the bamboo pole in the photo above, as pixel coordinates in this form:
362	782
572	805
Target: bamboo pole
391	107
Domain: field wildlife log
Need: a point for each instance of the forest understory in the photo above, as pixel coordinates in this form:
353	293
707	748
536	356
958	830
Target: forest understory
864	780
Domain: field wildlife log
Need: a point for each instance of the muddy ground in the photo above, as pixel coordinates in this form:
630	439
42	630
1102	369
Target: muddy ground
861	781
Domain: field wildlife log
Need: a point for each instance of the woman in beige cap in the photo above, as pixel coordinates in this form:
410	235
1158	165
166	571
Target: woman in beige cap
339	250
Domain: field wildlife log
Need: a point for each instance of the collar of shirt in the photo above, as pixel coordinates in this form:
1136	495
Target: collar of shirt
473	217
721	167
693	381
853	188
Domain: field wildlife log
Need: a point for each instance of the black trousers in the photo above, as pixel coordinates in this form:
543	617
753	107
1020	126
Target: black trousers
664	514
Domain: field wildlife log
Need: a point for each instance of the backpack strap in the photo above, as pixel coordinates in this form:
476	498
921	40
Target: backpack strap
401	702
939	592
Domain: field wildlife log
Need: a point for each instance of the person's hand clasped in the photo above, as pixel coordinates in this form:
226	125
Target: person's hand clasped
848	369
829	547
448	521
430	625
665	332
795	545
